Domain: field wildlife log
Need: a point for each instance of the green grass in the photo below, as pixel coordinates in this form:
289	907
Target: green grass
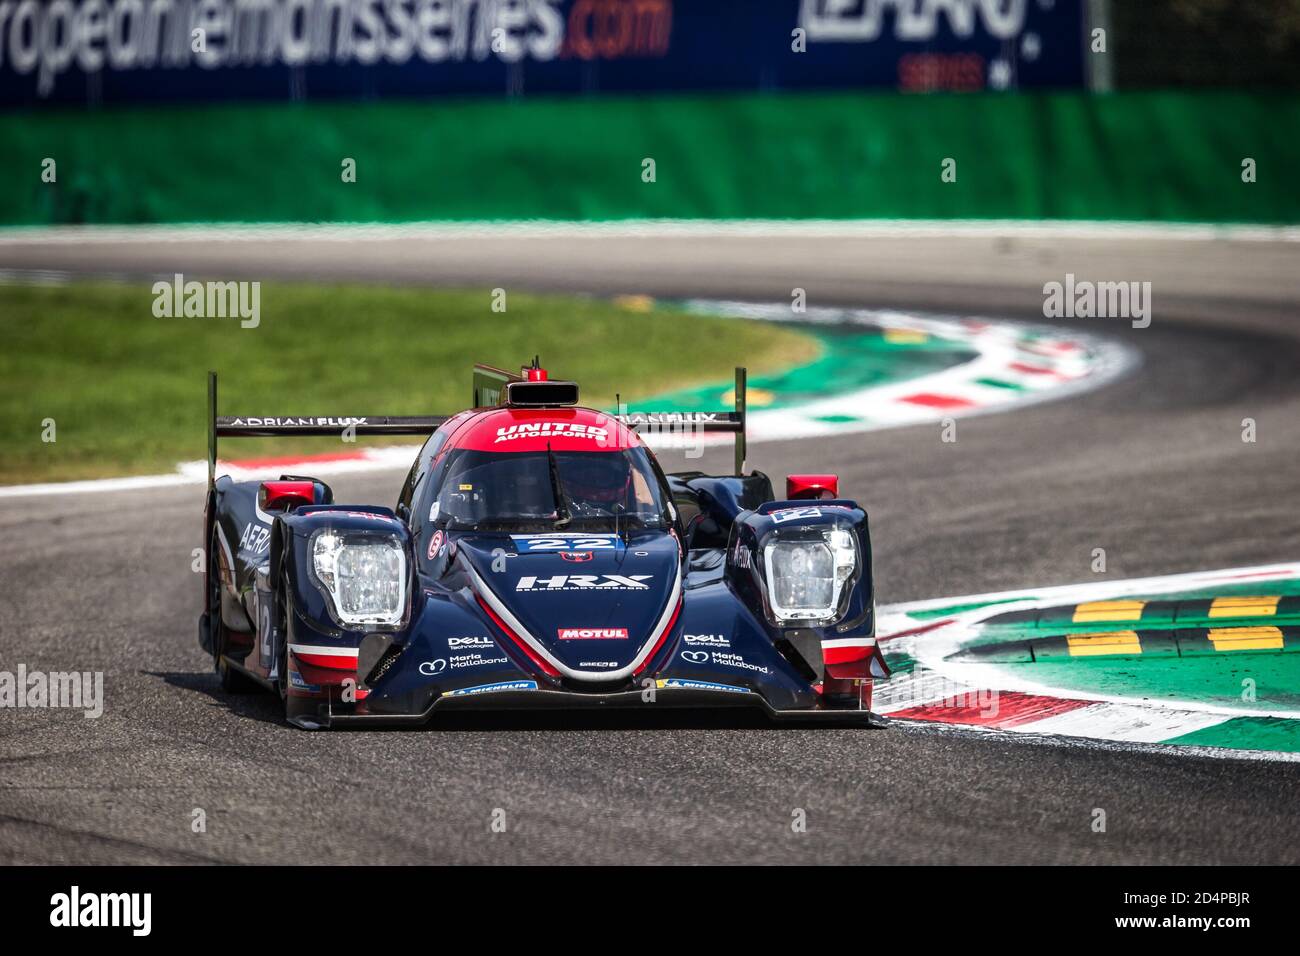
127	391
1217	679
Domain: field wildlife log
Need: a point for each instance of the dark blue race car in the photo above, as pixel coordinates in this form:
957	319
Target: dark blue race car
538	557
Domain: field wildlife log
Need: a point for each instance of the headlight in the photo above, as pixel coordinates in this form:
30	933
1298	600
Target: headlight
364	576
806	575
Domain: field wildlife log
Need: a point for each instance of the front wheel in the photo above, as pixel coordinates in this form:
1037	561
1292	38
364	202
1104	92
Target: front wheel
299	711
232	681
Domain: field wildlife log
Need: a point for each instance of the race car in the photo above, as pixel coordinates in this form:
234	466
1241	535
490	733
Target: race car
537	556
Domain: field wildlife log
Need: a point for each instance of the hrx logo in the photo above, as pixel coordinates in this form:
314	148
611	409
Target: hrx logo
575	582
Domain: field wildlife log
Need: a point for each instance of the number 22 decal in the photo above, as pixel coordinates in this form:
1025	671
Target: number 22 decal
527	543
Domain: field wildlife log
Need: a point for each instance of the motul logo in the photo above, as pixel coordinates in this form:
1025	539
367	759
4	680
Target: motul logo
593	634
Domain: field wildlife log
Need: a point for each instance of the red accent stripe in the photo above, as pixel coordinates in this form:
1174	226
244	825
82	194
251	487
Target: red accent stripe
294	460
849	670
931	400
1032	369
914	630
843	655
662	637
1006	709
332	662
538	661
1050	349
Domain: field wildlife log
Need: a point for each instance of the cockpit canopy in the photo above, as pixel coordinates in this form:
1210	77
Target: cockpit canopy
597	491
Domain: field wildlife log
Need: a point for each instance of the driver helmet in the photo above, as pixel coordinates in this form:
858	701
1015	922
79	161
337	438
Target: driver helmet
601	479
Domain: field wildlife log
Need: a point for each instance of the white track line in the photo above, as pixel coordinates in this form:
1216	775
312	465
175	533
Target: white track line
1124	722
1113	718
1077	362
1068	593
648	228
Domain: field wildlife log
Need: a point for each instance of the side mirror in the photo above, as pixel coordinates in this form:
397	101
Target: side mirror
285	495
811	487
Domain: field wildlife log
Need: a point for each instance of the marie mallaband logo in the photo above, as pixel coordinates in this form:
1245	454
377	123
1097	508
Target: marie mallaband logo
35	690
75	909
208	300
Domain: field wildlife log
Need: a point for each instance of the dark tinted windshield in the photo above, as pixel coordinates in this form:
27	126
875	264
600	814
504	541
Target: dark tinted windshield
516	491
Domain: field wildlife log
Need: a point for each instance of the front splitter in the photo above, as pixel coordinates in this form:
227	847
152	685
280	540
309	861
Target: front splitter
626	701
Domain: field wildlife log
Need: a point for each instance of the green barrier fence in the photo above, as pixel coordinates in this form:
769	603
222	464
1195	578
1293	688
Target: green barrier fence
1130	156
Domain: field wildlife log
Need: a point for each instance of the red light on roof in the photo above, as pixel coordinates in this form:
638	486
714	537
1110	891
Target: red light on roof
536	374
799	487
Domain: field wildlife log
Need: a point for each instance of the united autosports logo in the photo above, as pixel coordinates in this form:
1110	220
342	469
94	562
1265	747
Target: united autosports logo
583	582
593	633
551	430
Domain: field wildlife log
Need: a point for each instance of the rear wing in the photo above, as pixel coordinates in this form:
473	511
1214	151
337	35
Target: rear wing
220	426
732	421
492	387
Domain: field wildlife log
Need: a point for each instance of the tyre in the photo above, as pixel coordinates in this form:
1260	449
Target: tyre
299	711
232	681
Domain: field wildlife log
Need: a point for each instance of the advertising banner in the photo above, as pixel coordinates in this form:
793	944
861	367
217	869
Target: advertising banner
92	52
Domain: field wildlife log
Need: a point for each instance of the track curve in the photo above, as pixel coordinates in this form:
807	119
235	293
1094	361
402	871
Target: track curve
1152	468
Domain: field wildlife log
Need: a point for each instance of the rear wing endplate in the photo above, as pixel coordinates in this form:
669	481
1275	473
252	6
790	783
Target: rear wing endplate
732	421
306	426
490	385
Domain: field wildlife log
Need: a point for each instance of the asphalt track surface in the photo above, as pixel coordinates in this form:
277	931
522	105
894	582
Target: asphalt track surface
1152	468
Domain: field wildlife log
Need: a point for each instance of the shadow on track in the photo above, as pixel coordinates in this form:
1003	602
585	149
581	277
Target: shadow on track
265	708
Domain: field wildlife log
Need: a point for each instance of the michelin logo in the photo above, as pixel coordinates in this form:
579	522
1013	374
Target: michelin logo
493	688
700	685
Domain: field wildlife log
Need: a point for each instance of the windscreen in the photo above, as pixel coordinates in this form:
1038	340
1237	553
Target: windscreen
539	490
